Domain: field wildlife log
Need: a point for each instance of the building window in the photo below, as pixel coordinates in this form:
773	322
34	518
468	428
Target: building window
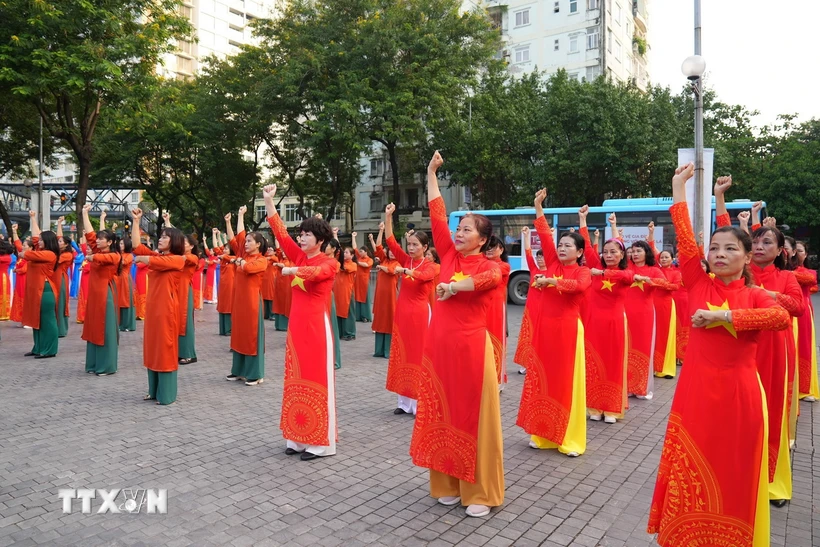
522	54
496	17
185	11
593	72
617	50
290	212
592	39
261	212
522	18
376	167
412	197
618	14
377	204
572	76
557	7
609	41
592	4
573	6
555	47
185	65
573	44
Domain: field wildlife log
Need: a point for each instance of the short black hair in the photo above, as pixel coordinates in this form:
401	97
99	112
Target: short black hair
320	229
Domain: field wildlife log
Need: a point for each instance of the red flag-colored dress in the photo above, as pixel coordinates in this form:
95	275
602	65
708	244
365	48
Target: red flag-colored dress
412	319
384	301
666	322
162	315
605	334
711	487
640	315
309	394
807	337
553	403
531	310
457	432
497	322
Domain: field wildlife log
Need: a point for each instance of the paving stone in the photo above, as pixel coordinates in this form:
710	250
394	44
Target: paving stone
219	453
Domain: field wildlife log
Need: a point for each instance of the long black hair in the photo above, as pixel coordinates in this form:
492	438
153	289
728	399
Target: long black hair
176	245
337	249
650	256
791	262
259	238
780	259
114	244
50	243
6	247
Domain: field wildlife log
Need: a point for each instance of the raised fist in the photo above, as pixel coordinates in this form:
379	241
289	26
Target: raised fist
435	162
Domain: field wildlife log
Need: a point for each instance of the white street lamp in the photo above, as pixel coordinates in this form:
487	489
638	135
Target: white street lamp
693	67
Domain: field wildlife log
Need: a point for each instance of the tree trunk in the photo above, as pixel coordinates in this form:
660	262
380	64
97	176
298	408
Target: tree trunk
4	214
84	159
394	168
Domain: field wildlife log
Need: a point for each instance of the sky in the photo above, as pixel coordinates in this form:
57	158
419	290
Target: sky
762	55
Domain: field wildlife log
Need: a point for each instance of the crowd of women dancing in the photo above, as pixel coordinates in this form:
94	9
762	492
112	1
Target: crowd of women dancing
601	323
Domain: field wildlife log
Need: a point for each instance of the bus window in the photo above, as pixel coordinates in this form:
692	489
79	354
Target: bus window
512	226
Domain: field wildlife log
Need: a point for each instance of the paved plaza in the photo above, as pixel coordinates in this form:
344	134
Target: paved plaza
219	453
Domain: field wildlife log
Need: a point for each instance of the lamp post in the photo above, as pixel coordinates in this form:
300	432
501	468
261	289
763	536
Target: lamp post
693	68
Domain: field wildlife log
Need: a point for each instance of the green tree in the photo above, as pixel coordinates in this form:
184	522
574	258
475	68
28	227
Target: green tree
20	142
76	60
183	149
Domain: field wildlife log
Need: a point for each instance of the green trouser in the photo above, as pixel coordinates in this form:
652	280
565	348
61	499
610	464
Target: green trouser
128	316
364	310
186	345
269	309
252	367
224	324
45	338
347	325
62	320
281	322
383	342
103	359
162	386
337	346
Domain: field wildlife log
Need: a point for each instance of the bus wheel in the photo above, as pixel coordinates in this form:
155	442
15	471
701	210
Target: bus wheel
518	287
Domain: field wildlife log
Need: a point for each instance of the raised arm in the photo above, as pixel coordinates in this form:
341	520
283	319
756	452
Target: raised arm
758	205
87	227
103	214
60	221
240	219
442	238
398	252
35	228
280	232
215	239
14	237
543	228
381	235
136	217
722	215
228	228
743	219
688	250
166	217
